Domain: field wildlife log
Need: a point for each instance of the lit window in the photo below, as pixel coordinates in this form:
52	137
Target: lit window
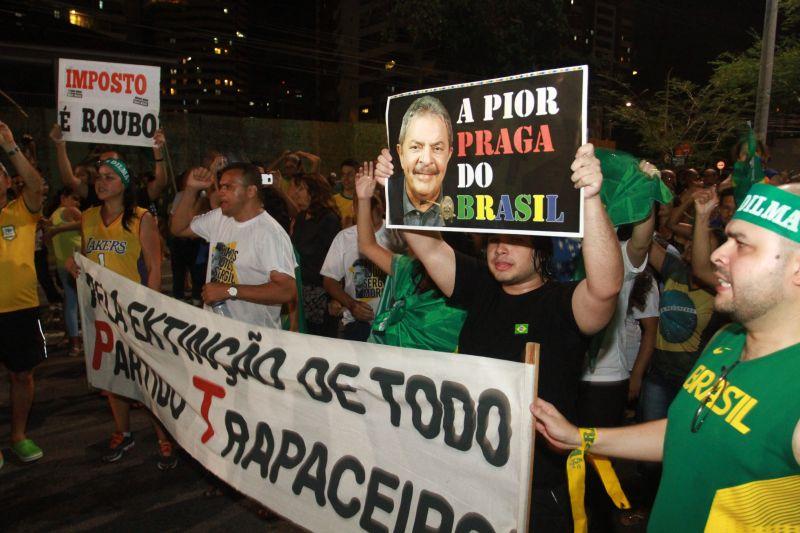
225	10
100	4
217	92
172	91
252	103
217	50
76	19
56	14
364	110
216	40
216	81
240	35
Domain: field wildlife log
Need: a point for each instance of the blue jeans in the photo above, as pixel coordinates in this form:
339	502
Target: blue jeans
656	396
70	301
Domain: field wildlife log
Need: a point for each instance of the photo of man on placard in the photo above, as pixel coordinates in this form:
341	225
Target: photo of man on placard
424	146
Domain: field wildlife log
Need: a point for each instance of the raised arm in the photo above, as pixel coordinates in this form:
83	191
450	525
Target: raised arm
157	186
367	243
275	165
438	258
595	298
313	158
704	203
68	178
639	244
676	216
640	442
32	192
199	179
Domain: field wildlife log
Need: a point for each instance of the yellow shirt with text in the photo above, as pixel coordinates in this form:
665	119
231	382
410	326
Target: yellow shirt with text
112	246
18	288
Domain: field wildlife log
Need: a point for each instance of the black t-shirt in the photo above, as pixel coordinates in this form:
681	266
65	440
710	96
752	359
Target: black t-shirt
498	325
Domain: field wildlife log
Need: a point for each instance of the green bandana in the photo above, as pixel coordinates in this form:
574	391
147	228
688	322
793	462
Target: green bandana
120	169
773	209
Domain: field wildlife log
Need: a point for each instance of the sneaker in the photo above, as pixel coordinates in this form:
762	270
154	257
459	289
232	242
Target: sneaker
27	451
167	460
118	446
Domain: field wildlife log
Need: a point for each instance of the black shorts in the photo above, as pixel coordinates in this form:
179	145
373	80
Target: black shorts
22	346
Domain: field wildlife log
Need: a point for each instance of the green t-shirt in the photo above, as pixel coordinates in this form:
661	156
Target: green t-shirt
737	471
686	322
409	319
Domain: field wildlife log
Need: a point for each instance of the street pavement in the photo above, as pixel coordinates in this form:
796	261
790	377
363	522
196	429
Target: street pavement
70	489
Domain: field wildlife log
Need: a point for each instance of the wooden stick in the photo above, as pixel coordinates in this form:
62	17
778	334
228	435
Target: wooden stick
170	172
15	104
532	350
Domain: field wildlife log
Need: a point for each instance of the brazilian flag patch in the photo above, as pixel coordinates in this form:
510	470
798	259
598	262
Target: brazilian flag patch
520	329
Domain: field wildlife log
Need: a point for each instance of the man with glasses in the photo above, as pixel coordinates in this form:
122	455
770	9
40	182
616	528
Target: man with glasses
731	441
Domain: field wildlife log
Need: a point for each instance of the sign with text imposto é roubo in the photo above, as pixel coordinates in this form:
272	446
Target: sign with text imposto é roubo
112	103
333	435
491	156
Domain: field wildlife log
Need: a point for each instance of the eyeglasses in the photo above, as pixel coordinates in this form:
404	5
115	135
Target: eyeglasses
705	404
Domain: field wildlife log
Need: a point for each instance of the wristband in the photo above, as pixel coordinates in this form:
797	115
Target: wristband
576	478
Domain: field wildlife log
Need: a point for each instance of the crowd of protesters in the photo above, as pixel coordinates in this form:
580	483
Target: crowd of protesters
313	255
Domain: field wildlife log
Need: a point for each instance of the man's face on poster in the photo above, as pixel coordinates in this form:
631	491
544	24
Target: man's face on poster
424	155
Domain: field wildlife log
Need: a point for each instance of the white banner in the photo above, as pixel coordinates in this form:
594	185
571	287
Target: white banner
113	103
334	435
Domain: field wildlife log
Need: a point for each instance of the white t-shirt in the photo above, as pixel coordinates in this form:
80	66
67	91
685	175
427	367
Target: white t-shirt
362	279
244	253
611	363
633	333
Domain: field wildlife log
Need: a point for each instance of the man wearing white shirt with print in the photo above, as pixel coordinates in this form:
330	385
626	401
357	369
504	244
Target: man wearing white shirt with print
363	281
251	261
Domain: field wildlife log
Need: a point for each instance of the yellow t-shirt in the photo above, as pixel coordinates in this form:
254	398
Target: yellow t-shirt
64	243
346	211
113	246
18	288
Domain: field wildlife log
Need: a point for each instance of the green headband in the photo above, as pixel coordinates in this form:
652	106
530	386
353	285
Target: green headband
120	169
772	208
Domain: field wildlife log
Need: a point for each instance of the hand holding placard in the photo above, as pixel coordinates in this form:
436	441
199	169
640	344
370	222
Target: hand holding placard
586	173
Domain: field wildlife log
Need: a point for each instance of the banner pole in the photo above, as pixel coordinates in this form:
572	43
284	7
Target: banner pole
532	350
170	172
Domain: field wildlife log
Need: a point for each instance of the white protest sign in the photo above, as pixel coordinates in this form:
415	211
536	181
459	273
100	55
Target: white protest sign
113	103
332	434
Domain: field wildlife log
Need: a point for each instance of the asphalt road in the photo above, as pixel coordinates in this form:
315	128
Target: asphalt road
70	489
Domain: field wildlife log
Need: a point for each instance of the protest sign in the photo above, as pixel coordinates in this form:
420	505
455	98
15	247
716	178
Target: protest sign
489	156
112	103
332	434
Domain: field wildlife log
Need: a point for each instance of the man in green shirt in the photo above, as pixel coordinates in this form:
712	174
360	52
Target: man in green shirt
731	441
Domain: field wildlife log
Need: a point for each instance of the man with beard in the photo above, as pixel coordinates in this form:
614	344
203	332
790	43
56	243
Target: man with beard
731	441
